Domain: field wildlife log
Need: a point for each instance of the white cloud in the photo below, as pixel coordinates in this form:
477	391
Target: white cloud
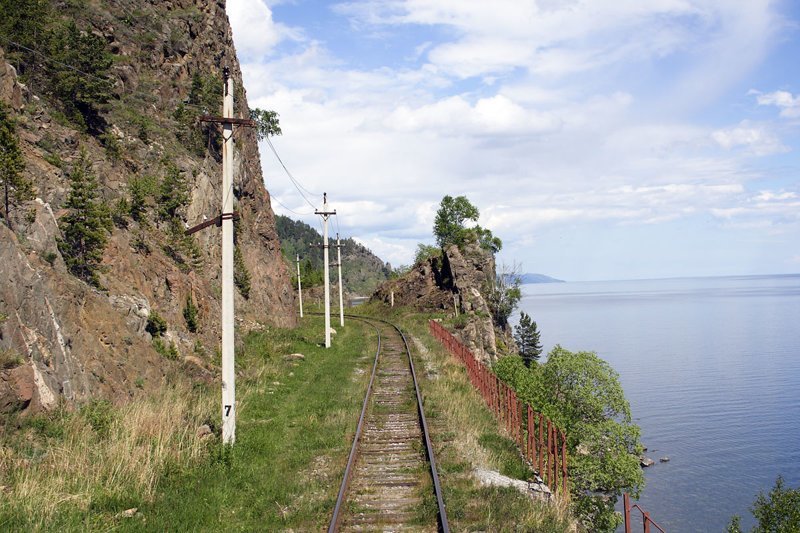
543	117
789	104
755	138
257	33
456	116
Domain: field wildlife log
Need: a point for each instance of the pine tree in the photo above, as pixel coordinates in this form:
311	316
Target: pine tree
173	193
81	95
526	334
16	188
85	228
241	277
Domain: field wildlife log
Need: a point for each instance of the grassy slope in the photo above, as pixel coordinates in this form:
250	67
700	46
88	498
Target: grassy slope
296	421
292	440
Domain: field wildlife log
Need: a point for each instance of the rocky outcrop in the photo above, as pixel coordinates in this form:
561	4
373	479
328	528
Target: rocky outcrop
454	282
74	341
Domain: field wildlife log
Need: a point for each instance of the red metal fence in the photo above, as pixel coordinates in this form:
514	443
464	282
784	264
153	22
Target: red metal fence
646	520
541	442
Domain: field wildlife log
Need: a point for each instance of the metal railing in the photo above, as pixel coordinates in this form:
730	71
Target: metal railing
646	520
539	440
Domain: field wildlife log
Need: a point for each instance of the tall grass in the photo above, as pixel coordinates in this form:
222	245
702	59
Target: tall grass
101	458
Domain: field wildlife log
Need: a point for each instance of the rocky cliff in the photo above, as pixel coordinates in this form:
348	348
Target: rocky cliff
61	338
454	282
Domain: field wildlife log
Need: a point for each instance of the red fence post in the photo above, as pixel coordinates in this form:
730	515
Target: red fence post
626	511
646	522
541	445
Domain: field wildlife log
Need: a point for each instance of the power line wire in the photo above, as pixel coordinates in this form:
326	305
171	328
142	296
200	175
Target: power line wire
294	181
51	60
273	197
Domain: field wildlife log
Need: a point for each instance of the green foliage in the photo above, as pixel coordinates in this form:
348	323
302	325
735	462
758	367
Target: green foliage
50	257
86	226
24	22
526	335
9	359
156	326
141	189
487	240
777	511
449	225
190	314
309	276
121	212
15	187
581	393
99	414
204	98
267	124
425	252
169	351
241	277
502	295
81	93
362	271
112	145
174	192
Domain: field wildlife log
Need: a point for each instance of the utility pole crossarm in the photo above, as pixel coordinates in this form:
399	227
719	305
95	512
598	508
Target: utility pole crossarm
216	221
246	122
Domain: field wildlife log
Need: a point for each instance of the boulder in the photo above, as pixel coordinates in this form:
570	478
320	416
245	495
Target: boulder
294	357
204	431
646	462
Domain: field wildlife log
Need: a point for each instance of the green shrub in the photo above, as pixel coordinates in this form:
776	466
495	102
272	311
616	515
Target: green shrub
777	511
99	414
582	395
190	313
156	326
241	277
9	358
170	351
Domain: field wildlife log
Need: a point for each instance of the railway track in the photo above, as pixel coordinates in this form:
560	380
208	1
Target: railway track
391	479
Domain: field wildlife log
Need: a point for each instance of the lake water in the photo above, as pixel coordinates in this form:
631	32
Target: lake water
711	367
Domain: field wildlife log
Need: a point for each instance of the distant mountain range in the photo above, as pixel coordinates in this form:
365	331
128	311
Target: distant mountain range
539	278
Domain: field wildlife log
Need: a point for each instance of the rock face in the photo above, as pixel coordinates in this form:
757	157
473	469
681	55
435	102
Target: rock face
454	282
75	341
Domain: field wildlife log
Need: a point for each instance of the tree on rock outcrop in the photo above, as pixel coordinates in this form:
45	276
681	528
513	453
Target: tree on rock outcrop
526	335
449	227
86	226
16	188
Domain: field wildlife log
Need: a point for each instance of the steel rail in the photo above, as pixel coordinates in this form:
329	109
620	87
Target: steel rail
437	487
334	526
443	525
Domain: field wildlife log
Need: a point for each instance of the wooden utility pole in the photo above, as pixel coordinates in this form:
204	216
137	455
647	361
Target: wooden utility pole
325	214
225	219
299	286
339	264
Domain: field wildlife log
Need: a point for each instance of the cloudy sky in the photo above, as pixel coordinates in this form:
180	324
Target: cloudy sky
600	139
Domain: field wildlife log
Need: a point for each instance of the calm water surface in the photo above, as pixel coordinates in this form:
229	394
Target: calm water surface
711	367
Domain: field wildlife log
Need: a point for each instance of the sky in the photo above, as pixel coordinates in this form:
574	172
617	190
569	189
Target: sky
600	139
